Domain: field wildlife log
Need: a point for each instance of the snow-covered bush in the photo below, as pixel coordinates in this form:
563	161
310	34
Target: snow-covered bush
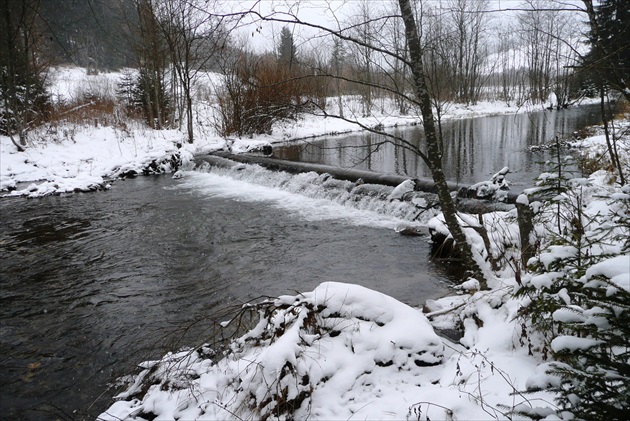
579	296
308	355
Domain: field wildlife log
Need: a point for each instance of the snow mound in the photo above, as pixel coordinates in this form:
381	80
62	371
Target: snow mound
325	354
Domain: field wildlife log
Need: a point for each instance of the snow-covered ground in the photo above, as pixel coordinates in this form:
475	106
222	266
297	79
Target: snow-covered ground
343	352
67	157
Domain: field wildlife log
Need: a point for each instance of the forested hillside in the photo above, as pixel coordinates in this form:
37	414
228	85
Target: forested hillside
87	33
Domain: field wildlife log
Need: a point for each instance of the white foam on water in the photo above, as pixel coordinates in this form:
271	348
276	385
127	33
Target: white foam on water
308	196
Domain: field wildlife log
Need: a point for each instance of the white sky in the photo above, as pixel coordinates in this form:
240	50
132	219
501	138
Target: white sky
332	13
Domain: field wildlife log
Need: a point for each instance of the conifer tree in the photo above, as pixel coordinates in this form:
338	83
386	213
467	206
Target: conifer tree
287	52
609	37
23	97
580	310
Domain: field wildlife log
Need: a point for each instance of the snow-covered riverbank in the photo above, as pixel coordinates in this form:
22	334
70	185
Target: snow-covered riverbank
345	352
342	351
67	157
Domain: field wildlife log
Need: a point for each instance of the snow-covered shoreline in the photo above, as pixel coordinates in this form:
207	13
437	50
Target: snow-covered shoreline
68	158
343	351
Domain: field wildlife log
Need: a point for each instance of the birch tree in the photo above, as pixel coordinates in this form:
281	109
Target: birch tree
433	156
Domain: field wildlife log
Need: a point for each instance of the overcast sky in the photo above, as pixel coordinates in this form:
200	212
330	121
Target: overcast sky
332	13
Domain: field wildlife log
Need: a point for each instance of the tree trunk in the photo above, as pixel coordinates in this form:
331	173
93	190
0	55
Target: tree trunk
525	218
614	156
189	114
434	154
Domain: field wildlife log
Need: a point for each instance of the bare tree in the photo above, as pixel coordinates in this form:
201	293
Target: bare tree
469	25
509	73
22	92
548	35
433	156
362	28
193	39
395	68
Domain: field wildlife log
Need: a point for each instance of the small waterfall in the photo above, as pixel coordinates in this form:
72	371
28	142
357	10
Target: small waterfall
348	196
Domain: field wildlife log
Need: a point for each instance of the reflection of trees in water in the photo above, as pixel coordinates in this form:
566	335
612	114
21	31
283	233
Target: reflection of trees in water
474	149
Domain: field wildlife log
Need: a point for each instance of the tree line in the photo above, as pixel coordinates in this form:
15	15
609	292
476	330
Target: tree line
469	55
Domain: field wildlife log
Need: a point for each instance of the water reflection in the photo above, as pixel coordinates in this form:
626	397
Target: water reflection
474	149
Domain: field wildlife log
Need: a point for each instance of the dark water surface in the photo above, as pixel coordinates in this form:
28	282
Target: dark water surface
93	284
475	148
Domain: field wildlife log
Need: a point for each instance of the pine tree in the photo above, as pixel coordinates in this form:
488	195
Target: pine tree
23	98
287	52
582	313
609	37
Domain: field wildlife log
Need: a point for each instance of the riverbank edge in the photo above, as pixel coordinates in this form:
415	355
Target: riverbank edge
72	158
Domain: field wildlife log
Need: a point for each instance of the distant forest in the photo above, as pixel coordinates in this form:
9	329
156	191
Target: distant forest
89	33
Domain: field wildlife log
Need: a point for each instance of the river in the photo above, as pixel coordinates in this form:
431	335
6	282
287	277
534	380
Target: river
474	148
93	284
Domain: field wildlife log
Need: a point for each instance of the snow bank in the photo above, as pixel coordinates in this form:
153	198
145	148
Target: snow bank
67	159
338	351
342	352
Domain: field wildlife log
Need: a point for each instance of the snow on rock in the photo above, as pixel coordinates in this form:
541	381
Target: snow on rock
402	189
7	183
469	285
494	189
248	146
338	351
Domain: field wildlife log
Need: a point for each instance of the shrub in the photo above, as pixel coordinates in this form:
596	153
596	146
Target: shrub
578	302
258	91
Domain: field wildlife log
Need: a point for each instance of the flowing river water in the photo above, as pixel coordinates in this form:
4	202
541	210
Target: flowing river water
93	284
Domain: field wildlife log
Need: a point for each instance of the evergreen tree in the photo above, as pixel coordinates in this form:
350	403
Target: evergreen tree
609	37
23	99
287	52
582	312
